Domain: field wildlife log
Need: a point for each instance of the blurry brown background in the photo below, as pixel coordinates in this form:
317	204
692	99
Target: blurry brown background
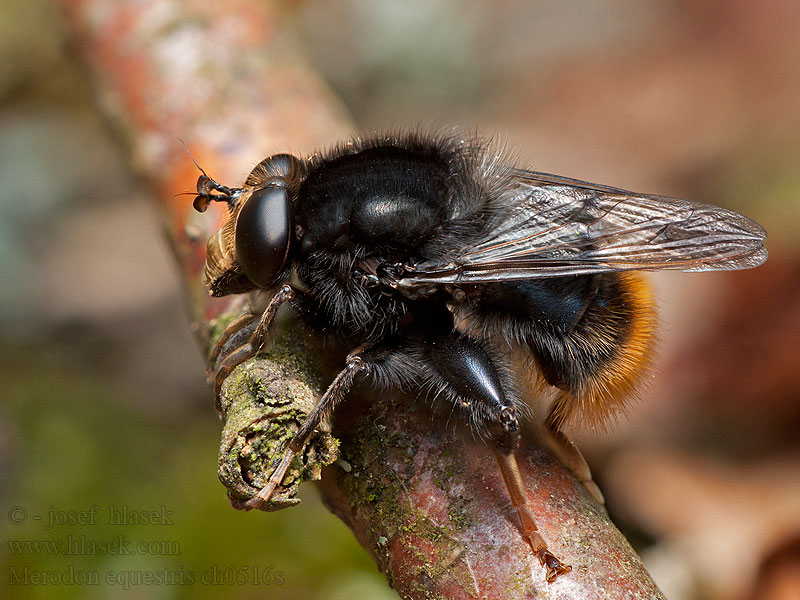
103	399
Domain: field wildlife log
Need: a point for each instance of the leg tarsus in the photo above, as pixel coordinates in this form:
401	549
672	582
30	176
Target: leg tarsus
274	481
554	566
516	489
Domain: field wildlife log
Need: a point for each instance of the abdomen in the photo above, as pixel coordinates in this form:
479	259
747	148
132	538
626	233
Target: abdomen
591	336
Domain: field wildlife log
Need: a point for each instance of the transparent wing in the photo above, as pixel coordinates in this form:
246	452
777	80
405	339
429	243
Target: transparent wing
557	226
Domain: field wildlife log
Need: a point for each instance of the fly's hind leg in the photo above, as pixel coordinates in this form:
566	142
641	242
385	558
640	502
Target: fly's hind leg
573	329
466	373
507	462
571	456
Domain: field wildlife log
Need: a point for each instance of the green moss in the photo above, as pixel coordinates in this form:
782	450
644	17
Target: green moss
458	514
264	402
518	585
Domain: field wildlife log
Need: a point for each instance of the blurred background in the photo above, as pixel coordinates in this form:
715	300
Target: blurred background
103	399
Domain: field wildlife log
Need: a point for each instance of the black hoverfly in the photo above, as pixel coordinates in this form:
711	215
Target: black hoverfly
429	255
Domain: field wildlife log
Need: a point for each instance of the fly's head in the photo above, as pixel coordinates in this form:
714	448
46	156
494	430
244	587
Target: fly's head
252	248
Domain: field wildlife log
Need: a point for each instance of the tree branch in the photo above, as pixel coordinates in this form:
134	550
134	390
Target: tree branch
425	499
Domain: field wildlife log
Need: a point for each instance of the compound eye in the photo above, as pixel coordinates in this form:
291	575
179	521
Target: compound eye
263	234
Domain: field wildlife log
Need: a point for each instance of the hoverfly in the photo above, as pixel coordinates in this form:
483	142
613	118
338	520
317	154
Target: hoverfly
429	255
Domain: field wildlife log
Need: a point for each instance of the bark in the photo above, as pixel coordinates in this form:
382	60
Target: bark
423	497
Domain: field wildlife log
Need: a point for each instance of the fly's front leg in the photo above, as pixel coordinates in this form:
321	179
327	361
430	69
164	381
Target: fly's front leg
232	328
254	344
